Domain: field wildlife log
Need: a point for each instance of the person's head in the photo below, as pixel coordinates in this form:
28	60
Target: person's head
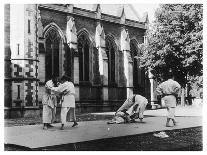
65	78
54	79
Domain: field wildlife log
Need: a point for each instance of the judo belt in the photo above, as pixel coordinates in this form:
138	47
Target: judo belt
168	95
64	94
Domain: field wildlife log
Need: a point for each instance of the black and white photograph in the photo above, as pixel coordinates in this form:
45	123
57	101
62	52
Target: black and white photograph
103	76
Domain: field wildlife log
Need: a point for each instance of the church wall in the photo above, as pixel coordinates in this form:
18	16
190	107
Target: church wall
7	57
28	92
88	93
48	17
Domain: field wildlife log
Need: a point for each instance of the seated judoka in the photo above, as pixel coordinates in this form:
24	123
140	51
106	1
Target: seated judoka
132	109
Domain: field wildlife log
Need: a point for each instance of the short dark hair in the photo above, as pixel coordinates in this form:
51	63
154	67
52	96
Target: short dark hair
65	78
54	79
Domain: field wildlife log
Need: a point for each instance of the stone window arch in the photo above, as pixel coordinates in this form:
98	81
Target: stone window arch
134	51
84	57
53	45
111	54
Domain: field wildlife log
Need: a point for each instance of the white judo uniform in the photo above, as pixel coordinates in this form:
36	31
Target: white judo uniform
135	104
49	102
169	90
67	101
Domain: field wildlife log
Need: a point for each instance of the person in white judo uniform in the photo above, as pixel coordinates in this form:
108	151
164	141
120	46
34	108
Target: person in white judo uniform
169	90
67	90
132	109
49	102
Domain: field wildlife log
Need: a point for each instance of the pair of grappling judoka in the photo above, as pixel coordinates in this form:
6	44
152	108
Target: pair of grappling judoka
132	109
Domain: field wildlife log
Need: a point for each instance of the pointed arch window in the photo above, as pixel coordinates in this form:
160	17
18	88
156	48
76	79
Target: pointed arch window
83	50
110	51
134	55
52	43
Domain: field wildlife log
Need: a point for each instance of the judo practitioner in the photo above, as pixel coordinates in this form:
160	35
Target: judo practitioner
132	109
169	91
49	102
67	90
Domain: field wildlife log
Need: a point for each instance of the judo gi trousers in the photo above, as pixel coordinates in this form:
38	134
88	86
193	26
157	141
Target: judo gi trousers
170	102
64	112
171	112
47	114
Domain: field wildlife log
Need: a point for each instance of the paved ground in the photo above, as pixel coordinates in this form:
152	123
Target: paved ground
180	111
188	139
33	136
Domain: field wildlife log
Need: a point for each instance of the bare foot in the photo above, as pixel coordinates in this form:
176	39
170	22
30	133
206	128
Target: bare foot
75	124
50	126
167	125
62	127
44	127
175	123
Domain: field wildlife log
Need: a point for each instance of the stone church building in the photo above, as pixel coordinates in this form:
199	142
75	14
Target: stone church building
96	45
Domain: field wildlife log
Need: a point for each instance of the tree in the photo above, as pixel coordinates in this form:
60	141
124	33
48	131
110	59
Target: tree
175	42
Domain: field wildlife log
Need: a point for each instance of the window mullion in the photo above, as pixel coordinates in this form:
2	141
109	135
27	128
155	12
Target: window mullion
83	59
109	63
52	47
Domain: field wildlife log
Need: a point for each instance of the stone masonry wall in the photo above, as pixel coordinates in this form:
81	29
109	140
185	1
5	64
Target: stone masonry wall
7	57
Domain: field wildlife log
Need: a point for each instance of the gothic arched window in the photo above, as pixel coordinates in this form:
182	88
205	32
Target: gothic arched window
83	50
110	51
138	73
134	55
52	53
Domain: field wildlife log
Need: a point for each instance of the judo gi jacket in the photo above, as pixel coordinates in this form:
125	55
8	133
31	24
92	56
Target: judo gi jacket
169	90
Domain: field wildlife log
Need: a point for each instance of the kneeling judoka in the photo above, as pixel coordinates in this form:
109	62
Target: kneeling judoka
132	109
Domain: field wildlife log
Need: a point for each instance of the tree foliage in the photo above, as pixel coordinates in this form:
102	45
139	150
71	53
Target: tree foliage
175	41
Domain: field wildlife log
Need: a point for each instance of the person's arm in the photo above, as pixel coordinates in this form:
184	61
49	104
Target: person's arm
159	90
124	106
134	114
177	89
71	89
59	89
135	108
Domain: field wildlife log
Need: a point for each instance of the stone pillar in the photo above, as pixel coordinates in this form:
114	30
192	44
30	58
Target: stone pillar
130	74
24	56
128	67
105	78
152	89
76	74
71	36
103	60
182	97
